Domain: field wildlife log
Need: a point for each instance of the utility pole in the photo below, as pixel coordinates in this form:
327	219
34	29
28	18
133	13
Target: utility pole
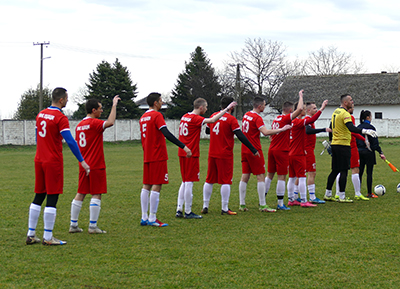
239	95
41	73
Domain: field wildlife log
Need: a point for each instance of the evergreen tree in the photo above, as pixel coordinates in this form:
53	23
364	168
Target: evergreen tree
28	107
198	80
106	82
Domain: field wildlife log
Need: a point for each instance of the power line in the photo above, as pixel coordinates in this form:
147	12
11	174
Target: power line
97	51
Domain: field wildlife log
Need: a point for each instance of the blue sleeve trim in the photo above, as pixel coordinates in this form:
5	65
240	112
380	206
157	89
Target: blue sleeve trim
72	144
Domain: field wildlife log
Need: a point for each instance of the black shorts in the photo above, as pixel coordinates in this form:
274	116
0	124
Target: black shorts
341	156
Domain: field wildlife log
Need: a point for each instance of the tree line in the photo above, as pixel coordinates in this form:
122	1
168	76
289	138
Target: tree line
258	69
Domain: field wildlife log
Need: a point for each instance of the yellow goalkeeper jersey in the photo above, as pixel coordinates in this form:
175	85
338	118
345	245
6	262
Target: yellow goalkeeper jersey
340	133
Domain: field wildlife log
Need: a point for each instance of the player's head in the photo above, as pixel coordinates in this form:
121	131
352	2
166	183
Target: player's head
311	108
225	101
287	107
154	100
60	96
259	103
94	106
365	115
346	101
201	104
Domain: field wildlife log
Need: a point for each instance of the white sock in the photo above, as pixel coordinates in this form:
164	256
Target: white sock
207	191
181	197
154	200
94	209
75	210
188	197
144	202
342	195
34	213
242	193
261	193
225	193
311	191
267	184
328	193
303	189
290	189
356	183
337	184
280	191
49	219
296	192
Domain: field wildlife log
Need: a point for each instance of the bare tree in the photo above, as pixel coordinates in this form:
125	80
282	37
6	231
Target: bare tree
330	61
263	67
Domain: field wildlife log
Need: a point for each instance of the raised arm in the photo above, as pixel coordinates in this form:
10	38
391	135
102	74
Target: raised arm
221	113
267	132
113	114
299	108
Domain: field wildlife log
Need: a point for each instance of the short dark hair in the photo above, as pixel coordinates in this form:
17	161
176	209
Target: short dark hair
342	97
58	93
287	105
225	101
90	104
257	101
308	103
152	97
199	102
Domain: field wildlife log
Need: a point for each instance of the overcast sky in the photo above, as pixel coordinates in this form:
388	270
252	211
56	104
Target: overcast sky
154	38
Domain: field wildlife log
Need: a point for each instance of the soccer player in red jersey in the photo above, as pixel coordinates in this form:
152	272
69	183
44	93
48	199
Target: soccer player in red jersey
189	134
252	125
220	156
309	147
153	130
51	127
297	156
354	164
278	153
89	136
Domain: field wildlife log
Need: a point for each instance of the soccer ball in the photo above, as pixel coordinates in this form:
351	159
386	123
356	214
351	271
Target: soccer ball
398	187
380	190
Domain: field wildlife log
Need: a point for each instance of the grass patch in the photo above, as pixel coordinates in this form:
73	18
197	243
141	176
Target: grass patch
331	246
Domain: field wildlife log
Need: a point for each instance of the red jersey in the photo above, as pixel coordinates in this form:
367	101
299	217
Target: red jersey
222	136
354	136
280	141
311	139
189	133
153	140
251	124
298	134
50	122
89	136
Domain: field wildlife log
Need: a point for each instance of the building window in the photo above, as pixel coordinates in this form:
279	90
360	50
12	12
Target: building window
378	115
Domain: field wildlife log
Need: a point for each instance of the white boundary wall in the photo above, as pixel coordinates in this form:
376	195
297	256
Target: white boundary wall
23	132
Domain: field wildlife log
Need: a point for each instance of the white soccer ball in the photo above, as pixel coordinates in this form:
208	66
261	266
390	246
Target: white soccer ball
398	187
380	190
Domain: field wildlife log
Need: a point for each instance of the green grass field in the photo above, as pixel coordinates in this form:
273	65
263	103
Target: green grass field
331	246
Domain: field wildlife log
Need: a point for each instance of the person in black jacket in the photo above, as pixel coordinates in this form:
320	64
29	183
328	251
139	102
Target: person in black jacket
367	154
